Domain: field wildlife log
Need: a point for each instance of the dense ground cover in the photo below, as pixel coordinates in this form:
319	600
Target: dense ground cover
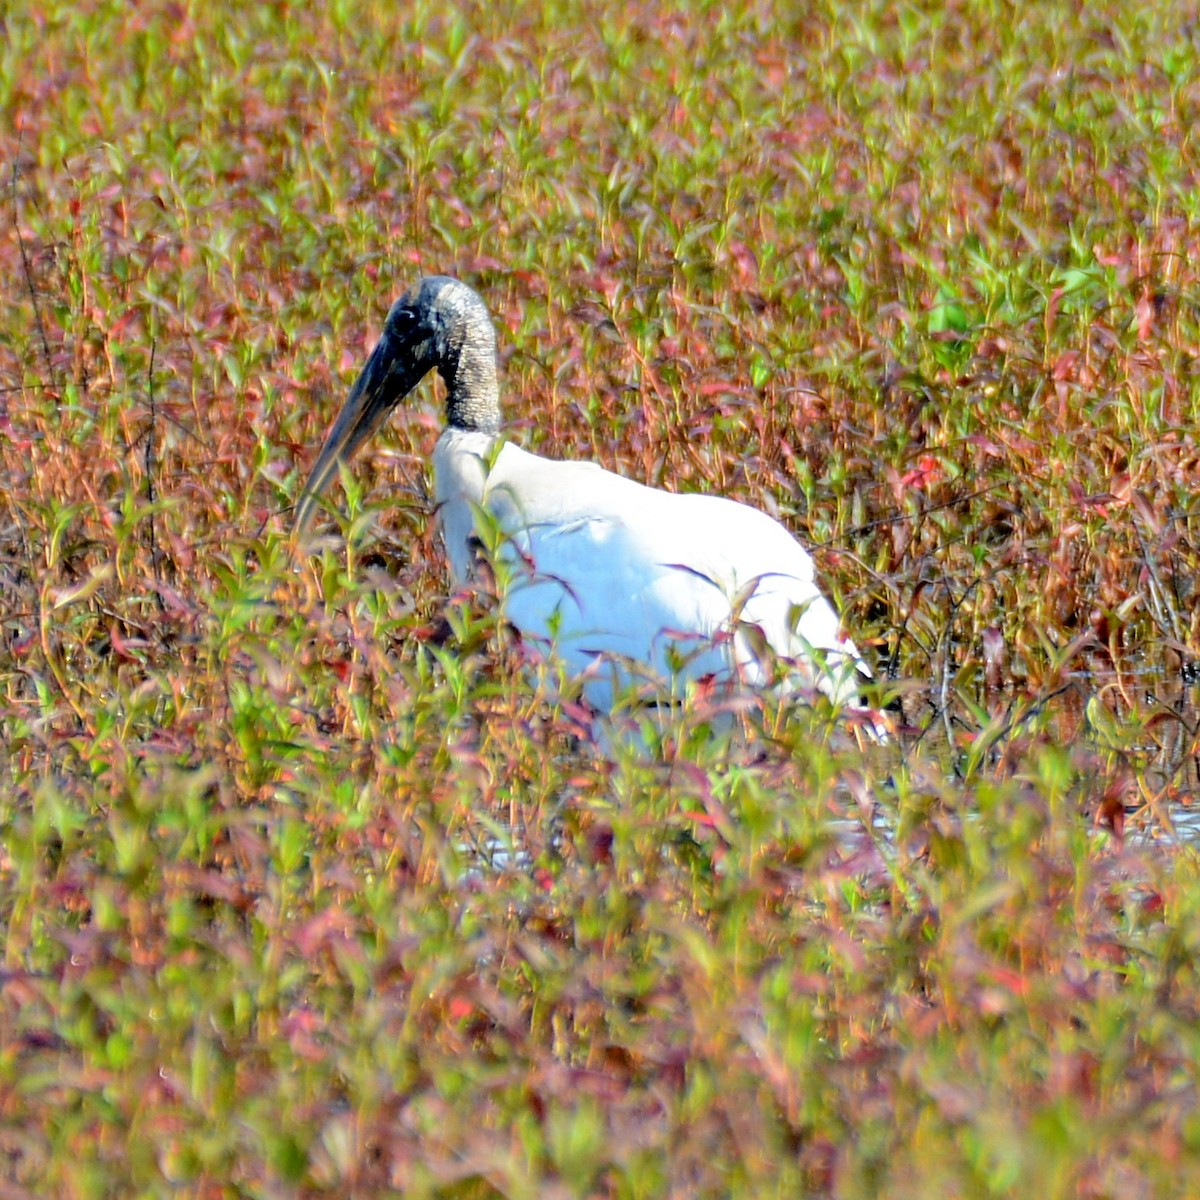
920	280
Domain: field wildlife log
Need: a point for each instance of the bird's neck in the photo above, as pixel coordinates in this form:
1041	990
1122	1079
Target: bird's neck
461	462
472	389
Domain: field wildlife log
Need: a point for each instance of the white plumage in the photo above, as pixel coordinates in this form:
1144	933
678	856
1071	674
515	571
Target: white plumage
623	581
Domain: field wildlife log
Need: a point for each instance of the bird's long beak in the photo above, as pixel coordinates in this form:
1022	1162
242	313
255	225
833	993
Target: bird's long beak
389	375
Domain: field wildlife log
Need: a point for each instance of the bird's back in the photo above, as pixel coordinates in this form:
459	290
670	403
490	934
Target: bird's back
614	573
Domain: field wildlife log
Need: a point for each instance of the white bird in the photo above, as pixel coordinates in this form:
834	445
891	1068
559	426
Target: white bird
623	582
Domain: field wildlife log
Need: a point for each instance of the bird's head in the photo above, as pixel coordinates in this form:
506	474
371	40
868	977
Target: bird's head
431	325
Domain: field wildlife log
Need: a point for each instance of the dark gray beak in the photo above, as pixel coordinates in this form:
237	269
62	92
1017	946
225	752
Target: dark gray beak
390	374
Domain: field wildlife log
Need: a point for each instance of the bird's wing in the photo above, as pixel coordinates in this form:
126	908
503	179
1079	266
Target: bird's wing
615	570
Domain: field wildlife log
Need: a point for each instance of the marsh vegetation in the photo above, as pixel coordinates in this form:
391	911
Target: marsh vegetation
918	280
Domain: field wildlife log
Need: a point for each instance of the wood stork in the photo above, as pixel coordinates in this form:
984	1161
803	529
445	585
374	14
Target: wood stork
622	580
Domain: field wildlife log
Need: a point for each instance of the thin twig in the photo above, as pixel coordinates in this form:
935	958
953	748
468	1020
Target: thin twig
33	296
855	530
149	463
1158	599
